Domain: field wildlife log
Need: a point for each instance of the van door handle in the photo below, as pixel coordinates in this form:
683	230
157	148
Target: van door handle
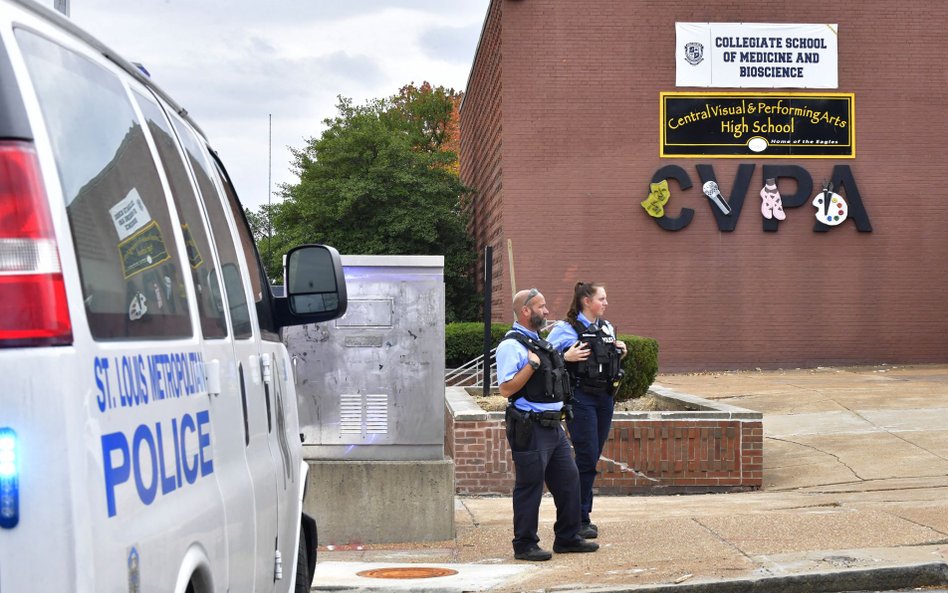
254	367
212	377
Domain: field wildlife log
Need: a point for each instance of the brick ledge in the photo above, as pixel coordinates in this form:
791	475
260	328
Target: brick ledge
711	447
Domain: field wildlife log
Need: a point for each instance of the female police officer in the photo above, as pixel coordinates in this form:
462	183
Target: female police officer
594	379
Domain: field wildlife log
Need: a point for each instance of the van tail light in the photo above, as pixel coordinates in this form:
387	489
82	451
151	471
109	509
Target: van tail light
32	292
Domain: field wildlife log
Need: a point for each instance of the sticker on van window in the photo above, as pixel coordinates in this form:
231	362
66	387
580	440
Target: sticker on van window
137	308
143	250
194	254
129	215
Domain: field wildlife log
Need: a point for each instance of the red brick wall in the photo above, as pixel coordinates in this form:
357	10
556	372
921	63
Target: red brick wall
687	456
702	454
482	462
577	126
481	142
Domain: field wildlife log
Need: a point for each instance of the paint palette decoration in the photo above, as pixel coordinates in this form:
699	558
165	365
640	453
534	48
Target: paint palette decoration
831	208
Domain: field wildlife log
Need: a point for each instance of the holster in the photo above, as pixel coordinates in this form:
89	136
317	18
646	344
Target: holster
519	428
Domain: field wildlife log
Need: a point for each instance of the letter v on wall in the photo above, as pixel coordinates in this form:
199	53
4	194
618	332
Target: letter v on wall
727	222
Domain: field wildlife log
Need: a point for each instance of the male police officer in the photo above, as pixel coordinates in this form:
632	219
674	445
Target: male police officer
533	377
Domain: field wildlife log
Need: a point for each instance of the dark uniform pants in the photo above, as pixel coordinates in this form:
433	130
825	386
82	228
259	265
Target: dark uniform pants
589	430
548	458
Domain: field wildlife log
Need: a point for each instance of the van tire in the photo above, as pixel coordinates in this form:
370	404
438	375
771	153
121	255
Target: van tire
309	532
303	578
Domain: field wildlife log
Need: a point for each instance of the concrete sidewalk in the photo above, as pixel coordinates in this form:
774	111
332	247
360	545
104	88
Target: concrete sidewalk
855	497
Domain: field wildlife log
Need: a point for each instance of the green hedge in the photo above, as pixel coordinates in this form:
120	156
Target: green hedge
641	366
465	341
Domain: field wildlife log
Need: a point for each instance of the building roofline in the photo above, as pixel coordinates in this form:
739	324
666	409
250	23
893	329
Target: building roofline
477	51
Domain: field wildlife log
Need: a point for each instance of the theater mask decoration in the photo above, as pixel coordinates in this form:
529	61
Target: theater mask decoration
654	204
831	208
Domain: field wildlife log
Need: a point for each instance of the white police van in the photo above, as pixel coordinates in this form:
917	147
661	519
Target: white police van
149	437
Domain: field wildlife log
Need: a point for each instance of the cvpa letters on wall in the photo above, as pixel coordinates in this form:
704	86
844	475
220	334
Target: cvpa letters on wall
762	55
835	201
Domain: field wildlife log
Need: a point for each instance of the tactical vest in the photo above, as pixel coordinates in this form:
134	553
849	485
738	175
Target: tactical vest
549	383
601	371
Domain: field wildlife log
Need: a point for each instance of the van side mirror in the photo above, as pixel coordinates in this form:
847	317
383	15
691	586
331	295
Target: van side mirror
315	286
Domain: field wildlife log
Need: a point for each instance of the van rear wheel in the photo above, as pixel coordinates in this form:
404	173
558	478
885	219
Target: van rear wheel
303	578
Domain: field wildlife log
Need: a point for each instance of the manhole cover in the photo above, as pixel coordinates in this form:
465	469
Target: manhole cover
412	572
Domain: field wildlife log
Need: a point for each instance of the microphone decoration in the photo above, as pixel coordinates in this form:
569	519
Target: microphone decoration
711	190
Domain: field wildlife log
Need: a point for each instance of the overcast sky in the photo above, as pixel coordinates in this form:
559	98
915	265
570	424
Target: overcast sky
233	63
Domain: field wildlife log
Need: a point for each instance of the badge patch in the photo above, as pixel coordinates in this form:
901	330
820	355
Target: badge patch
134	572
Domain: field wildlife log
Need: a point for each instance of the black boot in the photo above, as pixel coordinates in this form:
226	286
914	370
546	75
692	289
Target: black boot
588	531
534	554
577	545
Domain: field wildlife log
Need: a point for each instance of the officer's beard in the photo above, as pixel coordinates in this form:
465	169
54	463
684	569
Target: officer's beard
537	321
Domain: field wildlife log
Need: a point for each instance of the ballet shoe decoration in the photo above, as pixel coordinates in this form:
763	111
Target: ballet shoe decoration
831	208
654	204
771	205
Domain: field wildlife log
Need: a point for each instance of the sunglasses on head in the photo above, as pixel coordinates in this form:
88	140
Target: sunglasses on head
533	292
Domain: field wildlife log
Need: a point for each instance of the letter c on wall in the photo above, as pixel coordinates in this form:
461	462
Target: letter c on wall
684	182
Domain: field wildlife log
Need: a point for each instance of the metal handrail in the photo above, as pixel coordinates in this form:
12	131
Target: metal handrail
473	362
474	368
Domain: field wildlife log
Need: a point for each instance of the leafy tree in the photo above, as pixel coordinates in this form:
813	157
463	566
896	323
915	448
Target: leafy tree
262	232
433	119
259	225
382	179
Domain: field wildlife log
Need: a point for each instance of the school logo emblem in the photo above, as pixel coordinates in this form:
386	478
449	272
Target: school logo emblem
694	53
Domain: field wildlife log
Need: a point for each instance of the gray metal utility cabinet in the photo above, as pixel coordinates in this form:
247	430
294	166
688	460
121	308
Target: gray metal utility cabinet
370	387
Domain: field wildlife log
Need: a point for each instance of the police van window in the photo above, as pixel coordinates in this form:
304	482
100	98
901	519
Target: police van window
233	285
258	278
200	262
122	231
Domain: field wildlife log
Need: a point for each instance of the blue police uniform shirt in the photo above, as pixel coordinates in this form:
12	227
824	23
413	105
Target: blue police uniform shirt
563	335
511	357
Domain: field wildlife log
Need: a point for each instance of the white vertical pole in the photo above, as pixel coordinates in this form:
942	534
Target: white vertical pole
269	181
513	278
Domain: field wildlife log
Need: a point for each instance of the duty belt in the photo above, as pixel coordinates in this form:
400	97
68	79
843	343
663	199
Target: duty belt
547	418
